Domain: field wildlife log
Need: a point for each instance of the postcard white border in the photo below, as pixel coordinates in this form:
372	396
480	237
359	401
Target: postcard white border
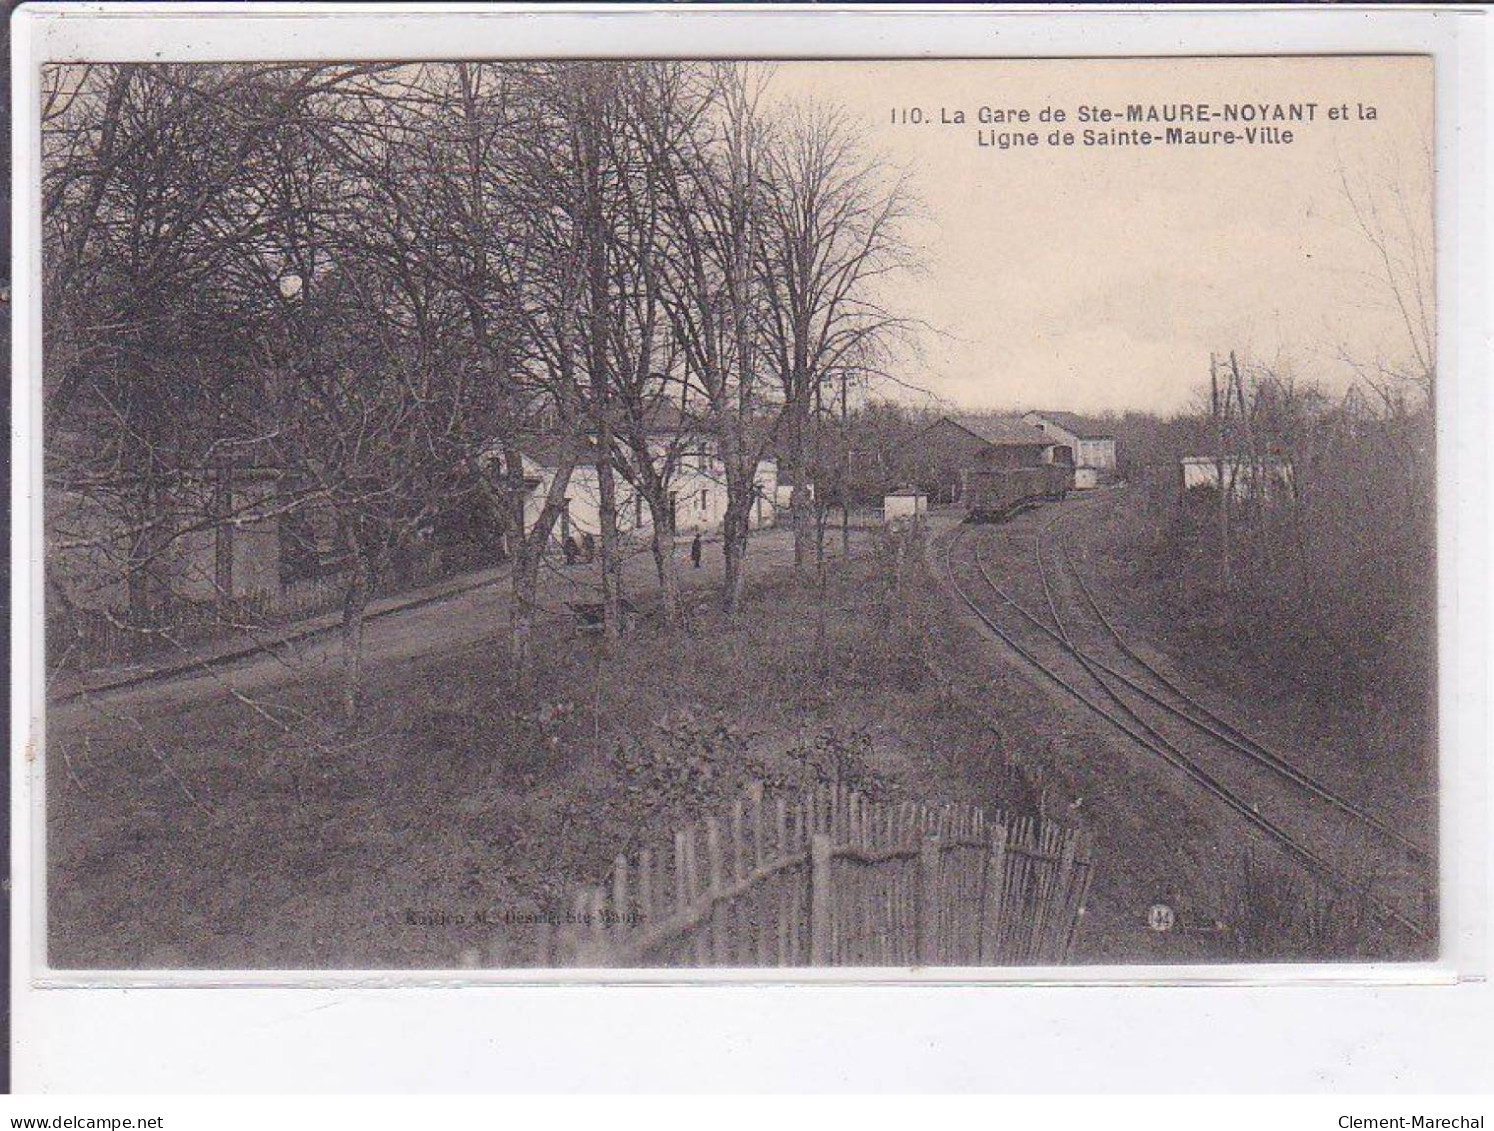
46	1000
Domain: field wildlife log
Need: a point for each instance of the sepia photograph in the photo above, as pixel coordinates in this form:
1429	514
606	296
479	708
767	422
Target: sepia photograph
543	514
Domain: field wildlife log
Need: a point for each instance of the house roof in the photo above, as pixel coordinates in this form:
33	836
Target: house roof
905	493
1074	424
1001	432
539	451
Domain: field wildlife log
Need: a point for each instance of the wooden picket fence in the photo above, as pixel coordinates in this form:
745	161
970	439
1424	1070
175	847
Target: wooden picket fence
830	878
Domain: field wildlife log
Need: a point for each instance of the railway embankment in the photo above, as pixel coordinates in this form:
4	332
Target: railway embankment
1223	834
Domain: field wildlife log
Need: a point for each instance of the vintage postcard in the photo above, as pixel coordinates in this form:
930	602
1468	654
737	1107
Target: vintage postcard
534	514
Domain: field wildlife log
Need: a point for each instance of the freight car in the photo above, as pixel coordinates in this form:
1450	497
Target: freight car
995	494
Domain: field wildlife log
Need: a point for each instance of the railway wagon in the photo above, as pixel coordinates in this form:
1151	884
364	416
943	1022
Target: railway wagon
995	494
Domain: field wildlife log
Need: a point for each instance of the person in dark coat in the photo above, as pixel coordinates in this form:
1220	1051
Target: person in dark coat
695	551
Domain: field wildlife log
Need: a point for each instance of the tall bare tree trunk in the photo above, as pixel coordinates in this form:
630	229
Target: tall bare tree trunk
845	475
521	616
611	545
664	559
530	552
144	588
589	127
735	526
800	505
734	534
354	615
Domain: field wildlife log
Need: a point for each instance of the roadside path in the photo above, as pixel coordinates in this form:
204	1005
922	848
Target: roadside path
198	659
460	612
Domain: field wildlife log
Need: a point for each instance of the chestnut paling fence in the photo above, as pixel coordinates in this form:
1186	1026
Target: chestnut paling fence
830	878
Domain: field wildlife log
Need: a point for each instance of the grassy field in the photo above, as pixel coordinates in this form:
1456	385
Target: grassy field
252	831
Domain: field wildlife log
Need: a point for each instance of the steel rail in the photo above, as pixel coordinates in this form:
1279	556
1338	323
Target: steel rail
1282	769
1178	760
1090	664
1223	731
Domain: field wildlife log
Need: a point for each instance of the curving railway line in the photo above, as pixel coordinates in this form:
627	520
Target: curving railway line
1071	641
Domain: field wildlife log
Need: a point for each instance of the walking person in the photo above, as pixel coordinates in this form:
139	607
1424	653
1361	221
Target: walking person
695	551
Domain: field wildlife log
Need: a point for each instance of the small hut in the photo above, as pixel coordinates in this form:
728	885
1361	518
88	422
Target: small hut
906	504
1245	477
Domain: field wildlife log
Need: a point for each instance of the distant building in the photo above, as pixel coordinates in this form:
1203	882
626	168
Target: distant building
954	443
783	497
1245	478
215	533
697	493
1093	448
906	504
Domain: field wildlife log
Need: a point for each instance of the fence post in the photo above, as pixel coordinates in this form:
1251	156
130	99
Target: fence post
819	900
715	880
928	901
1083	894
993	893
620	925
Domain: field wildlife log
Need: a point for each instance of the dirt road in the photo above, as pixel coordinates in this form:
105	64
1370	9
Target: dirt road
477	611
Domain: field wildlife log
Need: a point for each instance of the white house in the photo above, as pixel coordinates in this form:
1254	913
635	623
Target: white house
697	493
1247	478
1093	448
784	495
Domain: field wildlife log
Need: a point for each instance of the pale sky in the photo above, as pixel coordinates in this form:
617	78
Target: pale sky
1091	278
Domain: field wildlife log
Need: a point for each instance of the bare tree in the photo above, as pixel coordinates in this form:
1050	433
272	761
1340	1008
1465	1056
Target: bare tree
713	206
1392	218
370	376
834	217
380	284
151	202
659	425
592	101
493	177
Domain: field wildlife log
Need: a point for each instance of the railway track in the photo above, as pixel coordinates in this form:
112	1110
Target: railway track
1308	821
1222	730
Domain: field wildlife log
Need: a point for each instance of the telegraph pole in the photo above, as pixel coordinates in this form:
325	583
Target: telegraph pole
845	475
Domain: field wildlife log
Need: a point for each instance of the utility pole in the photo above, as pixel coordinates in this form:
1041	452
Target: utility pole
821	498
1219	409
845	478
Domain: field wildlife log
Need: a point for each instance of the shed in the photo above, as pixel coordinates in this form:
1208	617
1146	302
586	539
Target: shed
1093	446
1247	478
954	443
904	504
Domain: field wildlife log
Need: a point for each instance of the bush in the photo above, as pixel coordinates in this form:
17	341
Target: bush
1279	915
